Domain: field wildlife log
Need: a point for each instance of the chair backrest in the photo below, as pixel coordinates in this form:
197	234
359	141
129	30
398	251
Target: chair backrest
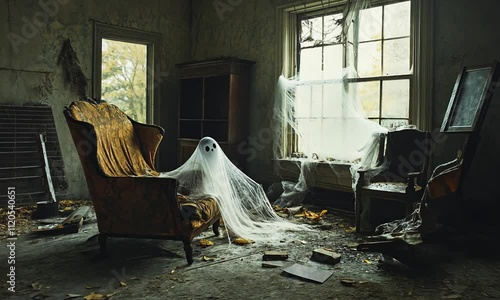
407	151
114	139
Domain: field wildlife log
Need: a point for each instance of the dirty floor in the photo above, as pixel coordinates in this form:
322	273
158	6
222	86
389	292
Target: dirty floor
64	266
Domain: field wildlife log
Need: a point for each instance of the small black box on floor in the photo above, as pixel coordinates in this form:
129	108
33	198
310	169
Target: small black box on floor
45	209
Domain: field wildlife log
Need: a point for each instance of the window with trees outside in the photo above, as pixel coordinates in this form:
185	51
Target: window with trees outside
124	70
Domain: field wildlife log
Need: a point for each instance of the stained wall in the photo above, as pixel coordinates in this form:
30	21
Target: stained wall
28	67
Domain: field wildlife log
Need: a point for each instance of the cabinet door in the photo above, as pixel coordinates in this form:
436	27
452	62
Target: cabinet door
216	97
190	106
186	149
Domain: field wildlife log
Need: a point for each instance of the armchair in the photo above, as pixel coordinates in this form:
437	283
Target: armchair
130	200
400	177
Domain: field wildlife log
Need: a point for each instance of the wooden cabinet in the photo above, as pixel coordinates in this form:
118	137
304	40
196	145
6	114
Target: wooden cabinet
214	102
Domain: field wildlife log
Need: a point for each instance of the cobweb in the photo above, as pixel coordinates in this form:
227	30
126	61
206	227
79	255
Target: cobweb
338	134
245	209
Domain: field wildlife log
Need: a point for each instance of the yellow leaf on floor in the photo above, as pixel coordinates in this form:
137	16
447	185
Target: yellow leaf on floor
324	211
95	296
122	284
242	241
367	261
206	243
206	258
350	229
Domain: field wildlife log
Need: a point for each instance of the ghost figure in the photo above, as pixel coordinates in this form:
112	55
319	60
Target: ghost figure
210	151
242	202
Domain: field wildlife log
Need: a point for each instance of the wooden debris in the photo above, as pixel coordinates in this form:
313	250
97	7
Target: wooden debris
71	224
272	264
275	255
326	256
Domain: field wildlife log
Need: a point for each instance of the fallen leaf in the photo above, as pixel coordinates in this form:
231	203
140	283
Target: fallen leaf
347	282
242	241
278	208
71	296
350	229
206	258
94	296
206	243
36	286
314	216
92	287
122	284
367	261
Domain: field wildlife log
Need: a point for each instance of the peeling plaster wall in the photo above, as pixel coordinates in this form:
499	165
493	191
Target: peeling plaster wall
465	33
29	74
248	31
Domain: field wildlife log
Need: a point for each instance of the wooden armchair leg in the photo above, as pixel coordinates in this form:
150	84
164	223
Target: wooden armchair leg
102	245
215	227
189	251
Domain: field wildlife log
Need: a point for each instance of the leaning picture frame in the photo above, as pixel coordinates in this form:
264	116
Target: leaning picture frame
470	98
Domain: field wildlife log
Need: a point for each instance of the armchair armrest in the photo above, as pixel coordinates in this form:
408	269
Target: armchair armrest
150	137
410	181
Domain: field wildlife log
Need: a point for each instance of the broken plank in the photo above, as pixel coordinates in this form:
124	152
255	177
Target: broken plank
75	217
326	256
275	255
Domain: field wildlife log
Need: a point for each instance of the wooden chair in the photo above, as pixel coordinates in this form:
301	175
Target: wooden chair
130	199
400	177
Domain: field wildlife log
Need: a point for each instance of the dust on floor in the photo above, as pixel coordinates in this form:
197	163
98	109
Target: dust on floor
56	267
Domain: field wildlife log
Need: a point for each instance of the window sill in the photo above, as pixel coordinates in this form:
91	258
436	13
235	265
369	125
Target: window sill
324	174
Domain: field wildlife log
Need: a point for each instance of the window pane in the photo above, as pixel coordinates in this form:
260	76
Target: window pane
393	123
333	28
310	64
370	24
317	101
397	56
303	102
370	59
368	94
397	20
332	66
124	70
332	100
312	32
395	98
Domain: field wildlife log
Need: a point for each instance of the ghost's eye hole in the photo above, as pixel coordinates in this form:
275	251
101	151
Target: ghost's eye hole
215	146
207	148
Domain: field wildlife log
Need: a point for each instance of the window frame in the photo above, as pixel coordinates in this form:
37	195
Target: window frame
152	41
421	60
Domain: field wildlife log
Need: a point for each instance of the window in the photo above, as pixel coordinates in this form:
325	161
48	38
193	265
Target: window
382	61
124	70
388	44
